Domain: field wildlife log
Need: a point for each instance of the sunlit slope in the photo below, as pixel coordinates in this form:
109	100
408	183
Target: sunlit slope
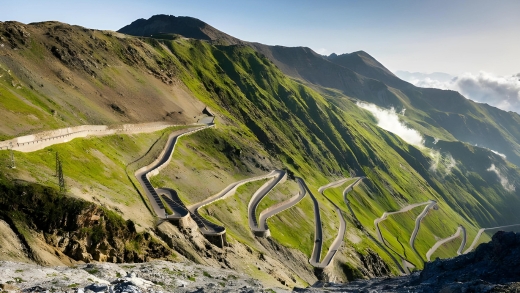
315	138
265	121
54	75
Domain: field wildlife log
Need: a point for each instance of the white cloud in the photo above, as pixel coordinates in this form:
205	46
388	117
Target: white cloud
442	164
389	120
502	92
503	179
322	51
500	154
431	83
436	158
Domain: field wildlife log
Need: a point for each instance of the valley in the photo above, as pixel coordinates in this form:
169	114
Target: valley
238	155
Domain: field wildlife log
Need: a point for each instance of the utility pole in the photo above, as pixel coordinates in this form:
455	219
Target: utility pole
59	174
12	164
57	164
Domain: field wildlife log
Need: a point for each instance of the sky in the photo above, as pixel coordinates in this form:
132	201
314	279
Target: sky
452	36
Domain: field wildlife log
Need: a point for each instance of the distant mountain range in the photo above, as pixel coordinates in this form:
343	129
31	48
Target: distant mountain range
358	75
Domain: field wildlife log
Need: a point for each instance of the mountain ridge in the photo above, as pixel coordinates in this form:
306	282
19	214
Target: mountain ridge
360	76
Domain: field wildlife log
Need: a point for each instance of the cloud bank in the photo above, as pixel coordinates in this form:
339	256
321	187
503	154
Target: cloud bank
389	120
503	180
502	92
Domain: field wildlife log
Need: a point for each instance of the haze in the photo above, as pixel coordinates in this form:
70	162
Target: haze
446	36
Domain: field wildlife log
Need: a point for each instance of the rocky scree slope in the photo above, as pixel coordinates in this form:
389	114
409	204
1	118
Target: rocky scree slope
47	222
157	276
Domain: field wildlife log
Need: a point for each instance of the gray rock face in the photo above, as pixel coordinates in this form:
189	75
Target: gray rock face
157	276
492	267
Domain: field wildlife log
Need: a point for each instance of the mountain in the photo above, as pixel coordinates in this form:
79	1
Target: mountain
366	65
449	115
185	26
55	75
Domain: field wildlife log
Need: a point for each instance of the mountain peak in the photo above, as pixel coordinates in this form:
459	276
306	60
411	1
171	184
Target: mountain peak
186	26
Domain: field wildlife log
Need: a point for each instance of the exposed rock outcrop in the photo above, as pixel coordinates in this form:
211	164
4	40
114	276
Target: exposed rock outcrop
80	230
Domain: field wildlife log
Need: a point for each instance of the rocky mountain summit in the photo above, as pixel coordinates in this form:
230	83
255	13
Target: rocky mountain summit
492	267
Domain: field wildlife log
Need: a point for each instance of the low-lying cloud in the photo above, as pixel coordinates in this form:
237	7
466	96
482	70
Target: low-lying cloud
442	164
503	180
500	154
502	92
389	120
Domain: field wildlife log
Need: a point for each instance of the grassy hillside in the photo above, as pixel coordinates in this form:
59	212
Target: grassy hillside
55	75
265	121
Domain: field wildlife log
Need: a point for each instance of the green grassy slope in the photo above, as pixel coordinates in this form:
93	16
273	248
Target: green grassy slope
313	137
98	169
268	121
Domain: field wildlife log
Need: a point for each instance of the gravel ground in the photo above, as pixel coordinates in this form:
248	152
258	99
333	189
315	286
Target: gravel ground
157	276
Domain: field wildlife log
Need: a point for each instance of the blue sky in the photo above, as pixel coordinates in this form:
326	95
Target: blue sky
449	36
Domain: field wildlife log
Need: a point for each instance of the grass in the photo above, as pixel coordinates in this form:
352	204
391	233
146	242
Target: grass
232	213
92	271
270	122
94	168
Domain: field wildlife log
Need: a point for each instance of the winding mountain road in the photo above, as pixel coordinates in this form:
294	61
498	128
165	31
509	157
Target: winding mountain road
314	260
404	266
280	207
477	237
431	204
460	230
338	241
386	214
143	174
277	175
39	141
169	196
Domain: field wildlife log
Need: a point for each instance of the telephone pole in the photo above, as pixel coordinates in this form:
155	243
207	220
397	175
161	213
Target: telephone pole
59	173
11	164
57	164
